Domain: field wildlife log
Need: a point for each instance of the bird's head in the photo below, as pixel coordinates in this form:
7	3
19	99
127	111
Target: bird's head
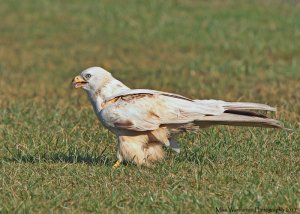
92	79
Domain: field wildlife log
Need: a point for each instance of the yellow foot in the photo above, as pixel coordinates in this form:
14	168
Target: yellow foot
117	164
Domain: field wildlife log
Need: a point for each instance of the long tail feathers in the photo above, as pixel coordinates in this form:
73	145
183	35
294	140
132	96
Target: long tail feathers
247	106
238	120
239	114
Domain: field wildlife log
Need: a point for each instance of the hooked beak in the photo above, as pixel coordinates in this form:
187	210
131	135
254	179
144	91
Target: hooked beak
79	82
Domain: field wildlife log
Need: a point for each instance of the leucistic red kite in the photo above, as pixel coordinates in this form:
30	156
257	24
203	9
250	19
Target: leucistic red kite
146	120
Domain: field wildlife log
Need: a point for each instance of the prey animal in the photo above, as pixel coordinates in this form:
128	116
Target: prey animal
146	120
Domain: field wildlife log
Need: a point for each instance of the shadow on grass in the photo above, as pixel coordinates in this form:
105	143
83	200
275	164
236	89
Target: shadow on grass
61	158
19	156
196	158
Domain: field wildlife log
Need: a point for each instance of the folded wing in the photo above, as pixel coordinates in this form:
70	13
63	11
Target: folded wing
146	110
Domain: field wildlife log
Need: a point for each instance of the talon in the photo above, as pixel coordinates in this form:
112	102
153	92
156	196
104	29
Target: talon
117	164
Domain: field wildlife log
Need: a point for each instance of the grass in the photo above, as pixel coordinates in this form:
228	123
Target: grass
56	157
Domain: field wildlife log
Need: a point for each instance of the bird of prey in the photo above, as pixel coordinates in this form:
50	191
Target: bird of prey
146	120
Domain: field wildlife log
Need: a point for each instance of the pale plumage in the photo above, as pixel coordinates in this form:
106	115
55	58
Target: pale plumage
145	120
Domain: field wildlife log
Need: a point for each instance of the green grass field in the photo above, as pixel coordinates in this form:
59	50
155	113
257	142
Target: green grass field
55	155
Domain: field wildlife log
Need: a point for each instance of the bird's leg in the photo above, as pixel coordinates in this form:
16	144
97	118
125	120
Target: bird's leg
153	152
117	164
132	148
119	161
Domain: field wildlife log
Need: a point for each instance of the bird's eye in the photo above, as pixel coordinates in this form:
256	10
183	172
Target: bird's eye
87	76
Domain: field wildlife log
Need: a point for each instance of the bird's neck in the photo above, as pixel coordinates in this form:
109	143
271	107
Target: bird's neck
99	96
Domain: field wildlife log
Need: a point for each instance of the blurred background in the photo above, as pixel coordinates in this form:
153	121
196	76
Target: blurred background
229	50
225	49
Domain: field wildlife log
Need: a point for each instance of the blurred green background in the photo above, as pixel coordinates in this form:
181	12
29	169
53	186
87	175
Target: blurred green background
55	156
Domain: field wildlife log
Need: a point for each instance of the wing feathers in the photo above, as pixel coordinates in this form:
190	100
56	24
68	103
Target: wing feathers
237	105
146	110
